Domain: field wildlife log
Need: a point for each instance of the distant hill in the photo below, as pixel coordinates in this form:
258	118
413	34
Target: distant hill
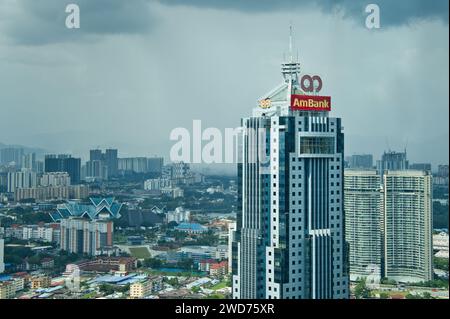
39	151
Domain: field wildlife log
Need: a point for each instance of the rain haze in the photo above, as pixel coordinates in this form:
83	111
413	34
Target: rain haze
135	70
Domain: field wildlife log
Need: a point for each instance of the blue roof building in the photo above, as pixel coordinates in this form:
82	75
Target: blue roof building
192	228
98	208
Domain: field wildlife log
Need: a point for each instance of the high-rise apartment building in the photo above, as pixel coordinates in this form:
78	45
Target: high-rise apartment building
112	161
22	179
2	252
388	224
102	165
29	162
408	225
155	165
55	179
97	170
363	205
392	161
133	164
82	236
64	163
290	240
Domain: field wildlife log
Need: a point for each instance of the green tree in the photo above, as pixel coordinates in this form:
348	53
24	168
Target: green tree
361	290
441	263
384	295
426	295
152	263
387	281
106	289
186	263
173	282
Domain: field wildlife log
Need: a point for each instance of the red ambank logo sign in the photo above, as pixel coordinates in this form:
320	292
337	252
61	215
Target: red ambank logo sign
310	103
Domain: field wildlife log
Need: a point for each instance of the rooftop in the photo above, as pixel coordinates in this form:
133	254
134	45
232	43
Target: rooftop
98	208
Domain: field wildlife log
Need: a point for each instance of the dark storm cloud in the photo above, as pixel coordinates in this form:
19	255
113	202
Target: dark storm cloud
393	12
43	22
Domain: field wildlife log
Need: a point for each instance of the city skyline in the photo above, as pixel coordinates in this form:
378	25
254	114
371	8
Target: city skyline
380	98
171	149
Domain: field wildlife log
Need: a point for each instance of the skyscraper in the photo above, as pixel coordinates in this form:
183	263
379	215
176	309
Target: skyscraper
155	165
2	247
290	225
112	162
102	165
64	163
388	224
29	161
392	161
408	246
22	179
363	203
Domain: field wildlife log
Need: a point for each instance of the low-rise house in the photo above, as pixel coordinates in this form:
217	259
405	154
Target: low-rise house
219	269
7	290
40	282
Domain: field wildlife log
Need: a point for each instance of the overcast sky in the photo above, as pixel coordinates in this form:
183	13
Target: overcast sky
137	69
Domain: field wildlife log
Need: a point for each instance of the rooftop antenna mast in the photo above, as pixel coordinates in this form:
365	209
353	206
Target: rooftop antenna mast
290	42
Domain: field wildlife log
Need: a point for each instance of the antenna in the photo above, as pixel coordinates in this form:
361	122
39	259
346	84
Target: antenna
406	146
290	41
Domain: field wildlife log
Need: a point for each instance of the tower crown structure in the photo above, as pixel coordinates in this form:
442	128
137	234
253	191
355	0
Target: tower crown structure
290	68
297	94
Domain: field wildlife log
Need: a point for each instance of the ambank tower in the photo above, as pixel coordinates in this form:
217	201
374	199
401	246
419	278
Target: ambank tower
289	239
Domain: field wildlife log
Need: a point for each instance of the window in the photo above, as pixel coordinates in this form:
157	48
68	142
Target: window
316	145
